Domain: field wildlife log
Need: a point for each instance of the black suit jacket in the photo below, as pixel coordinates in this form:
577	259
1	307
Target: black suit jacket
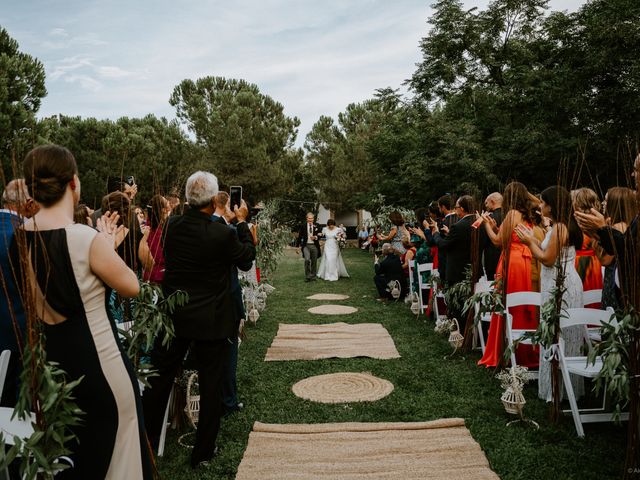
199	253
391	268
458	248
303	236
490	253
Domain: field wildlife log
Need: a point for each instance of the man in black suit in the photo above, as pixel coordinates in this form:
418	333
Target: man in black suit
388	270
308	241
199	254
491	253
457	243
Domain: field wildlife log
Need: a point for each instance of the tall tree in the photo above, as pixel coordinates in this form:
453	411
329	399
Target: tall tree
21	90
248	139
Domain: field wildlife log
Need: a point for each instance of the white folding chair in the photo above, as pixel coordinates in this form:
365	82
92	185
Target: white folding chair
483	286
520	299
423	286
5	356
580	366
165	423
592	296
411	269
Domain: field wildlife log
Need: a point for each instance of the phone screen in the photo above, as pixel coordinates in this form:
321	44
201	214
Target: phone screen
235	194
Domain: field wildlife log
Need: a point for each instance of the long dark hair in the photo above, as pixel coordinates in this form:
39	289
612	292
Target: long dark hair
559	200
158	206
517	197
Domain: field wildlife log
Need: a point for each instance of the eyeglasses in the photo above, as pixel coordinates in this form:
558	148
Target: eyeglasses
130	180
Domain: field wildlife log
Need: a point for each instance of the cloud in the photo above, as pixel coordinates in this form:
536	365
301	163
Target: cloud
85	81
58	32
113	72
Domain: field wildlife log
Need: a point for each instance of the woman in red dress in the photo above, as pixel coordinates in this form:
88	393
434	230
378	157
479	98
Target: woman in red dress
513	274
587	263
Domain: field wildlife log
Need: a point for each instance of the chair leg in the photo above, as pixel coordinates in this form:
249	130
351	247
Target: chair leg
163	432
566	378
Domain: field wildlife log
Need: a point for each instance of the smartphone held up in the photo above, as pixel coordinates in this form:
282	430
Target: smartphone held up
235	197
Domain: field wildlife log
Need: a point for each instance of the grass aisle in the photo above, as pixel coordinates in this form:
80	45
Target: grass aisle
427	387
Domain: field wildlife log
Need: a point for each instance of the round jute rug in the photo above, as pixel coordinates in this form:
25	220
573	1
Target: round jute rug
332	310
343	387
328	296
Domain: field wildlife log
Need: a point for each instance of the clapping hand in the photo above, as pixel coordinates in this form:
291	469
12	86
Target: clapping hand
590	222
418	232
108	227
525	234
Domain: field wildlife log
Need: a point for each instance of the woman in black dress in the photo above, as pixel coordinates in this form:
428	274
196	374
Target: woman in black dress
72	263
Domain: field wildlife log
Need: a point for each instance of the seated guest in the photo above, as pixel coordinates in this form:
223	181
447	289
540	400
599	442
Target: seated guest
388	270
363	236
17	205
408	255
199	254
397	232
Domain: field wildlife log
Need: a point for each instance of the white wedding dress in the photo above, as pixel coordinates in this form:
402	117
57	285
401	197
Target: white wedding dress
331	265
572	298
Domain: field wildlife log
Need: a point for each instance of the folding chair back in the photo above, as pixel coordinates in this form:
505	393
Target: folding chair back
424	287
412	267
581	367
4	367
483	286
592	297
519	299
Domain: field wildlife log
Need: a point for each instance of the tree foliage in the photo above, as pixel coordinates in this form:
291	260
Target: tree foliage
248	139
21	90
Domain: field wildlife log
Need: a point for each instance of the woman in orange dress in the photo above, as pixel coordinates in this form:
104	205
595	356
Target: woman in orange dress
587	262
515	266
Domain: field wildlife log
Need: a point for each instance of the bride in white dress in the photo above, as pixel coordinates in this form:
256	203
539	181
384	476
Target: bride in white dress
331	265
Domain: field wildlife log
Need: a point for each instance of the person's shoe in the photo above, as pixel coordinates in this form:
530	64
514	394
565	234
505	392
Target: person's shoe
307	280
205	463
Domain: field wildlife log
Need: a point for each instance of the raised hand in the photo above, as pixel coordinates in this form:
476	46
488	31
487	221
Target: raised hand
108	227
590	222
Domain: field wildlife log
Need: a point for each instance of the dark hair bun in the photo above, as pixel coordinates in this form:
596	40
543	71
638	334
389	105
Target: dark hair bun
47	171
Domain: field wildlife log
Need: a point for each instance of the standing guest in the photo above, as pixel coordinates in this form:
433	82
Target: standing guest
175	204
397	232
199	254
558	248
363	236
308	242
70	265
625	246
490	252
82	215
224	216
130	245
620	208
448	217
515	272
388	270
587	263
17	206
151	249
125	185
456	242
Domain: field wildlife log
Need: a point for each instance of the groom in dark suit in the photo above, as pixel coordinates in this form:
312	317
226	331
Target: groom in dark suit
308	242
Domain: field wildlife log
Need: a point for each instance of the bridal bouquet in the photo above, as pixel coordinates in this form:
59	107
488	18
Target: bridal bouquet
342	240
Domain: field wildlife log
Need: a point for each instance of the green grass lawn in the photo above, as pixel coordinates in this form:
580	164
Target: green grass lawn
427	387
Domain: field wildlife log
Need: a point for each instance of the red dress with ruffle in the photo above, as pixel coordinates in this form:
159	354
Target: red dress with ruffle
525	317
589	268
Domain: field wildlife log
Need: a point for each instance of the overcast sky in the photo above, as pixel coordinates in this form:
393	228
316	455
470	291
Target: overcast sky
113	58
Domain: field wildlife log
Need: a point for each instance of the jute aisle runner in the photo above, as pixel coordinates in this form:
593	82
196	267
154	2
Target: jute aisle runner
442	449
333	340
